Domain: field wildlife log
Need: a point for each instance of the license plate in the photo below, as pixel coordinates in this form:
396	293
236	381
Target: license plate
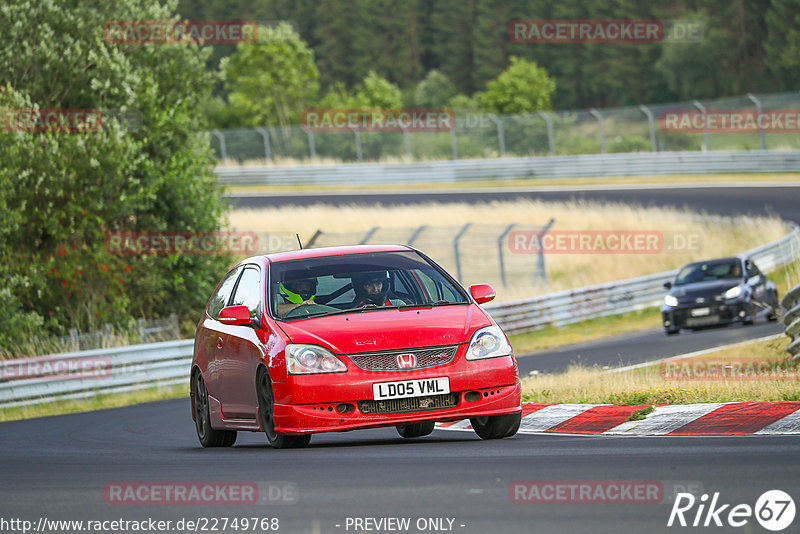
418	387
699	312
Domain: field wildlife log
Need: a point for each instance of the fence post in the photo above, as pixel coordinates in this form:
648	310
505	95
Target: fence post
550	137
407	143
500	252
757	102
703	110
416	234
596	114
311	146
222	148
454	142
369	235
359	154
501	141
313	239
455	248
540	275
142	330
173	322
74	340
651	124
267	148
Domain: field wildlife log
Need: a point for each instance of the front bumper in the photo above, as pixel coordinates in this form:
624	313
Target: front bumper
308	403
685	316
304	419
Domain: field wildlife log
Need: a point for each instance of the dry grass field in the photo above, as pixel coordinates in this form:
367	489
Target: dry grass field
480	250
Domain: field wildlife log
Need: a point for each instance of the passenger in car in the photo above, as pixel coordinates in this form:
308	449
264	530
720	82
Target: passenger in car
296	293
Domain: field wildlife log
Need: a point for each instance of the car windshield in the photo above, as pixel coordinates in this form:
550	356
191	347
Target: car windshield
705	272
355	283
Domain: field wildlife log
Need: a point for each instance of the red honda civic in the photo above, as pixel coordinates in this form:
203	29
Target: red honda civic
342	338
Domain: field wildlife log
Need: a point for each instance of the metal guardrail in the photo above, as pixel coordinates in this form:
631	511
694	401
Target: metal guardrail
76	375
590	165
571	306
791	318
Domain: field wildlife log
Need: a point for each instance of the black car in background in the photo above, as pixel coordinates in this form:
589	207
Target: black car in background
718	292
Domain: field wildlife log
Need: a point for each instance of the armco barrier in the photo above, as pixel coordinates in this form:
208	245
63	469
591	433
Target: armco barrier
589	165
163	364
34	380
623	296
791	318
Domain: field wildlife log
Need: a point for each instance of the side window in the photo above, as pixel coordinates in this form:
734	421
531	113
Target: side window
752	270
248	291
220	298
437	290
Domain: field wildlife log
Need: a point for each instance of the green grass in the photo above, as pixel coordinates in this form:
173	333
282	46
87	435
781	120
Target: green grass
98	402
640	415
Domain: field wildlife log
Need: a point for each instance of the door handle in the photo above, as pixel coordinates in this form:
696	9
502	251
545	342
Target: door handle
219	342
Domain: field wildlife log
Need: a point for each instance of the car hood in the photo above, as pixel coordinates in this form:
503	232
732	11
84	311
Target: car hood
705	289
388	329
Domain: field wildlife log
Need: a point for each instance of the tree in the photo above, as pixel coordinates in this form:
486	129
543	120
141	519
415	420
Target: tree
272	80
521	88
435	91
783	42
62	192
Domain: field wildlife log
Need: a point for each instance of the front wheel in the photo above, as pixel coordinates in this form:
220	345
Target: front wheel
496	426
266	401
417	430
209	437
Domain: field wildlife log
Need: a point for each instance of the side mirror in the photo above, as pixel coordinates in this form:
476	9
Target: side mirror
235	315
668	285
482	293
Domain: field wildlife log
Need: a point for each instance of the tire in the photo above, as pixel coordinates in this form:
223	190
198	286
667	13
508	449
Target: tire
417	430
672	332
496	426
266	401
209	437
773	312
750	318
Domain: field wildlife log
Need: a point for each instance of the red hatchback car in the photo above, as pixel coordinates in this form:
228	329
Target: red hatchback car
342	338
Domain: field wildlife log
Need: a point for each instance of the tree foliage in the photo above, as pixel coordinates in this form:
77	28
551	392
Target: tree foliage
523	87
272	80
62	192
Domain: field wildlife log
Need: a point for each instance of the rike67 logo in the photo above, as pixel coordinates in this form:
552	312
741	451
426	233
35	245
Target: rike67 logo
774	510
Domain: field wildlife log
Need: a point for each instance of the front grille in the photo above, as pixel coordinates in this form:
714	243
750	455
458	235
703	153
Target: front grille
387	361
414	404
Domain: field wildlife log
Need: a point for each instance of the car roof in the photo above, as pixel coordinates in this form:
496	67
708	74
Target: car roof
334	251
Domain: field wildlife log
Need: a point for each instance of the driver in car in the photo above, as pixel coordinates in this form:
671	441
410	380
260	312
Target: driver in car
372	288
296	293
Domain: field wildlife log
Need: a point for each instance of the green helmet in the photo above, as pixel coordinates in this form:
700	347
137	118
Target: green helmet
298	291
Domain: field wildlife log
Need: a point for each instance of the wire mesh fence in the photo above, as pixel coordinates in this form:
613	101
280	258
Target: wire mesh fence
641	128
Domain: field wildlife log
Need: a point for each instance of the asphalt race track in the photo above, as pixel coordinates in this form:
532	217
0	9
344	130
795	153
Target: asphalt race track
61	467
641	347
781	200
58	468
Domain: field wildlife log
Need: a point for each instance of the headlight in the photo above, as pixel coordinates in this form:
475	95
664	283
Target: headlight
304	359
733	292
669	300
489	342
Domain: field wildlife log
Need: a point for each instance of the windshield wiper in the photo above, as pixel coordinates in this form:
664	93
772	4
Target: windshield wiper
426	304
